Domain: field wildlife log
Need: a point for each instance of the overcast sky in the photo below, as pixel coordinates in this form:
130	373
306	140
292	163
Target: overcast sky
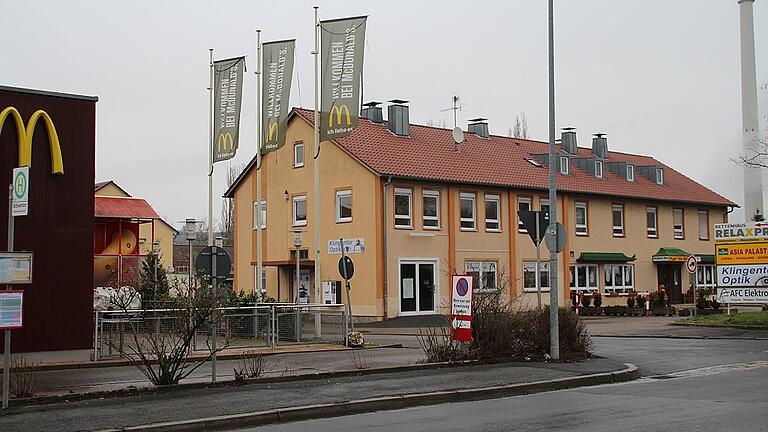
660	77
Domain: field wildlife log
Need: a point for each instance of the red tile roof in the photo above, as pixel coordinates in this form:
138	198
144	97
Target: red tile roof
124	208
428	153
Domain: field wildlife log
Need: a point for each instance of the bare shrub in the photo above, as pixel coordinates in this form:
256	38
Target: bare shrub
250	365
23	377
362	359
439	347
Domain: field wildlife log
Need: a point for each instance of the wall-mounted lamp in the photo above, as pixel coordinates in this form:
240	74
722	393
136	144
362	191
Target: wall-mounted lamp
286	195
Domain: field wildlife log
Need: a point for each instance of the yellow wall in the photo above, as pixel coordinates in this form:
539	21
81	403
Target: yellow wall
164	233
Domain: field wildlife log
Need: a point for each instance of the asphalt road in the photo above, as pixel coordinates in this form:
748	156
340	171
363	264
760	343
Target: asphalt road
701	385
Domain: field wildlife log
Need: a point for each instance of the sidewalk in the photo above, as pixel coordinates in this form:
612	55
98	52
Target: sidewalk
193	403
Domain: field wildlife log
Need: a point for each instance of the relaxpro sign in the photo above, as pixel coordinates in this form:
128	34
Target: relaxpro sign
742	295
742	275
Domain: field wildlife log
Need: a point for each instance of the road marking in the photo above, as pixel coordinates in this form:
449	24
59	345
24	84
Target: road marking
713	370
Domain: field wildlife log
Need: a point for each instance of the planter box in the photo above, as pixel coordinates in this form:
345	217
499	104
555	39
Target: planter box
635	311
709	311
592	311
615	310
663	311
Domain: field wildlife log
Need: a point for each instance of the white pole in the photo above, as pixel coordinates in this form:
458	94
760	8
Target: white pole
538	260
554	291
316	53
259	222
753	187
7	340
214	281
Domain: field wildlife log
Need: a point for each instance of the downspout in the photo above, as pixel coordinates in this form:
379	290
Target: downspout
384	240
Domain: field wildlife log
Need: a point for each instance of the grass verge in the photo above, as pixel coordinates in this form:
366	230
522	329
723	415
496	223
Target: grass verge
752	319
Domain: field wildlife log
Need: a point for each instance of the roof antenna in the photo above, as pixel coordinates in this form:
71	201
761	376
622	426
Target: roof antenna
456	107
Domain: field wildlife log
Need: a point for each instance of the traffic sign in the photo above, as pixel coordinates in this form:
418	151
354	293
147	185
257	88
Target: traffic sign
346	261
20	206
691	264
528	219
556	237
461	308
204	263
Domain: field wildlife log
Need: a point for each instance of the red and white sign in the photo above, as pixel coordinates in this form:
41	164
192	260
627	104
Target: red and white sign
461	308
690	264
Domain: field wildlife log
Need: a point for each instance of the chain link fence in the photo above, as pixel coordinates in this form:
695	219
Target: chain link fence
261	326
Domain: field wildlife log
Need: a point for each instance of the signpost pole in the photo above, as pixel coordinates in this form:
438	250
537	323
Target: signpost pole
346	284
538	260
693	287
7	341
554	291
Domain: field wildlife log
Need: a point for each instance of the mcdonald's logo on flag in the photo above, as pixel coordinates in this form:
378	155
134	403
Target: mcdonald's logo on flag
341	50
224	143
277	67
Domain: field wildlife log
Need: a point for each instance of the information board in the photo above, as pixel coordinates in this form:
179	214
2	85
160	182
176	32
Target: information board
15	267
11	310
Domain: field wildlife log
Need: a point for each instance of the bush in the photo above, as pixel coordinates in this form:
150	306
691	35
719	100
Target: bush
585	299
439	347
630	302
658	299
641	301
23	378
714	303
597	299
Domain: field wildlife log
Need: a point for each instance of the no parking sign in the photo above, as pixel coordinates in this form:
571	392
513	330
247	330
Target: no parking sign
461	308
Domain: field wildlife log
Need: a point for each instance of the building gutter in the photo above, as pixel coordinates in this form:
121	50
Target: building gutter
384	240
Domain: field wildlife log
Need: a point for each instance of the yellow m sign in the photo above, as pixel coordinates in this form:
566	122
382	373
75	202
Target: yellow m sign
25	135
272	131
225	142
339	110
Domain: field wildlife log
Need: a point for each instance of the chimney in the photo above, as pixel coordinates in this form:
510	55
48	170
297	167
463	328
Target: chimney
397	117
568	141
372	112
479	127
600	146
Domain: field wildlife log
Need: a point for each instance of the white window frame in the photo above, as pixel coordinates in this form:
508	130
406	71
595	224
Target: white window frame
339	195
618	230
610	286
497	199
263	214
543	268
296	199
599	172
574	273
704	271
652	232
659	176
630	172
565	167
706	224
428	193
581	229
523	200
468	196
296	163
678	233
481	268
403	192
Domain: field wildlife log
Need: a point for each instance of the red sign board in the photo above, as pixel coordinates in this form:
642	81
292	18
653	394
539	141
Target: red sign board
461	308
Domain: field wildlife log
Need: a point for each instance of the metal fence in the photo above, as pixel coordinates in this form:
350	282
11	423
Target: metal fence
260	326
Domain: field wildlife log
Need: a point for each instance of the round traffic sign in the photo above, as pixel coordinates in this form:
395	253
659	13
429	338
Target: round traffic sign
204	262
345	263
691	264
462	287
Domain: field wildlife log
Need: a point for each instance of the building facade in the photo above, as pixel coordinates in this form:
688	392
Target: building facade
414	207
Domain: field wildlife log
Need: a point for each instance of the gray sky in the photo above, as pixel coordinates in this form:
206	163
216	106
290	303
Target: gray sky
660	77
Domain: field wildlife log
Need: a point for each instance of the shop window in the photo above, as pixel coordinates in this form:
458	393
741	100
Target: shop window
529	276
483	275
584	277
705	276
619	278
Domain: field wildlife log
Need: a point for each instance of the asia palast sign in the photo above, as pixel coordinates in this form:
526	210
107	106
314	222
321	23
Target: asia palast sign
741	255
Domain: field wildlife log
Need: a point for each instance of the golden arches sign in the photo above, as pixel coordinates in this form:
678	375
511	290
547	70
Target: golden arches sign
225	140
339	110
25	135
273	132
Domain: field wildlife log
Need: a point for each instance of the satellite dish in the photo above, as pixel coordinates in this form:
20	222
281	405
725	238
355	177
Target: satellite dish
458	135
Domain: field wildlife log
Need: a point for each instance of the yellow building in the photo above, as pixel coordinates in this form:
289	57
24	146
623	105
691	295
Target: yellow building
417	207
163	231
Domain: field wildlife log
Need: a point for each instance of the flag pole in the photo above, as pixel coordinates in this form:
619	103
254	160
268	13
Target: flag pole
214	280
316	53
259	222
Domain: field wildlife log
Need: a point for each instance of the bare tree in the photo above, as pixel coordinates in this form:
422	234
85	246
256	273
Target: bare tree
520	130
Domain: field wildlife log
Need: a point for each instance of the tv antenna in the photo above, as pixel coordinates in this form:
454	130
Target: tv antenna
456	107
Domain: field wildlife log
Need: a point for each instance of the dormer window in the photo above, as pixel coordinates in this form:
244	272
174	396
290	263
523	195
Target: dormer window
659	176
564	166
599	169
630	173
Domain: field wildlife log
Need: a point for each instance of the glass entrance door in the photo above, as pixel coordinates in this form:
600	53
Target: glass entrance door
417	287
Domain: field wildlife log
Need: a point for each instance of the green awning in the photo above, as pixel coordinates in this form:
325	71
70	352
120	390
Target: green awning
605	257
706	258
670	254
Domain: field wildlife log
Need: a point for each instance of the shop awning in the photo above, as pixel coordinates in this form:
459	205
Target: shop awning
705	258
670	254
605	257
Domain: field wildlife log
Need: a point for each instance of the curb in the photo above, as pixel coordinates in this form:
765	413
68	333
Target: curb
281	415
651	336
734	326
